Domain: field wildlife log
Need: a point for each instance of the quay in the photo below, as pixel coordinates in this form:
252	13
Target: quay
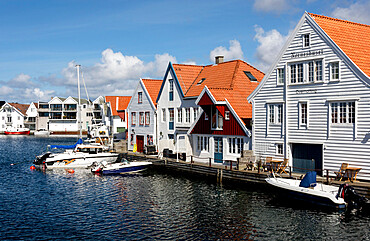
222	173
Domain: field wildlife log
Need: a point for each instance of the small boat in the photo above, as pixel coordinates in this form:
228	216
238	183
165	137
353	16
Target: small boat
17	131
41	132
120	167
307	190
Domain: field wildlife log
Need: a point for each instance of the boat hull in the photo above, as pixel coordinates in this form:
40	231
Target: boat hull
121	168
307	195
16	132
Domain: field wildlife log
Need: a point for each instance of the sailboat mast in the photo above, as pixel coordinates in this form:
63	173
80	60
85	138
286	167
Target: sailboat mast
79	100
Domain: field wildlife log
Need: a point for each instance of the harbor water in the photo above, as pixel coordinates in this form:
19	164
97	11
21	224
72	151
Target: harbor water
153	205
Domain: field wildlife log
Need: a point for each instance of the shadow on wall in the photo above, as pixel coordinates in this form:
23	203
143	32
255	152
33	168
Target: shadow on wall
366	138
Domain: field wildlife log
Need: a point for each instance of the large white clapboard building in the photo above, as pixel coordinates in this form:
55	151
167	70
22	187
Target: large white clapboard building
313	105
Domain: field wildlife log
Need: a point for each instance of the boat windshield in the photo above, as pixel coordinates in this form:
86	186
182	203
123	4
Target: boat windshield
89	150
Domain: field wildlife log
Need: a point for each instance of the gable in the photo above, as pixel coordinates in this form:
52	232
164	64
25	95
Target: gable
205	100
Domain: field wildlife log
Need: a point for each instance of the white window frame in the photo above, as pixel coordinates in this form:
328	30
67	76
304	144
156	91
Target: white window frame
140	97
133	118
203	143
179	115
303	114
309	75
279	149
304	40
236	145
345	113
141	118
275	113
195	113
147	118
219	124
331	69
227	115
280	76
187	115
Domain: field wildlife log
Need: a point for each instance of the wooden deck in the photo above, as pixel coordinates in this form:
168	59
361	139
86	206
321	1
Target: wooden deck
223	173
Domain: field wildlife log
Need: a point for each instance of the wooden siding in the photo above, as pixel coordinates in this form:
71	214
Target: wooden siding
230	127
341	143
205	100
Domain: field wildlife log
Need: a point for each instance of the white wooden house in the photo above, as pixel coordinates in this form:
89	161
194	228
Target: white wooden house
117	113
142	111
313	105
31	116
12	115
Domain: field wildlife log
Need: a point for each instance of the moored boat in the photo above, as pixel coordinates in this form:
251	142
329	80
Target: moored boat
17	131
308	191
120	167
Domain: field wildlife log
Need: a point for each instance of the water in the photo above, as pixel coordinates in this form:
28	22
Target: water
152	205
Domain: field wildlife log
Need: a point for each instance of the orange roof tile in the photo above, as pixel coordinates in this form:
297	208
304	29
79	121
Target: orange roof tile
153	86
229	81
21	107
122	103
186	74
352	38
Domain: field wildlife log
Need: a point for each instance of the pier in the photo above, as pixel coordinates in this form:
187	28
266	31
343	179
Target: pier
222	173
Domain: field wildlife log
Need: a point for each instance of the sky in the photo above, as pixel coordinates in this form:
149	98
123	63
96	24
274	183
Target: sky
117	42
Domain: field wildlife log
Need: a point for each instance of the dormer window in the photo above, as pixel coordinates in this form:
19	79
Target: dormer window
250	76
306	40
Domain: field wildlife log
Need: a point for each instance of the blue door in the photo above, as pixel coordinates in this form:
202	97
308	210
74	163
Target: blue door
218	150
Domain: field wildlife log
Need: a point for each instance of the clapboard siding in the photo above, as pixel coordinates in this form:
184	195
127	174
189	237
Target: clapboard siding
341	143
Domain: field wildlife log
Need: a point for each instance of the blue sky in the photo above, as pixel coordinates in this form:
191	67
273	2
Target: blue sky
117	42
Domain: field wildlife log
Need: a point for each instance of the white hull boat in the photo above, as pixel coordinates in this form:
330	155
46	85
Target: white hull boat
120	167
317	194
83	156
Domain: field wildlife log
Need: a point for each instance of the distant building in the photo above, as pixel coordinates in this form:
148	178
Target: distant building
116	113
31	116
12	115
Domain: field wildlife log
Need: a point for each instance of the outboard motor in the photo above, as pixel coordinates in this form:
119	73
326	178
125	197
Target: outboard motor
352	198
41	159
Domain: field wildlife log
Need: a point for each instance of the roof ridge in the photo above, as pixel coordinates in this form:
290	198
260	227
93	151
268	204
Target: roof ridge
313	15
190	65
234	75
153	79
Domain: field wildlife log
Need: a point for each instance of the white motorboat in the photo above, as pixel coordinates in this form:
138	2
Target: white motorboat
308	190
82	156
120	167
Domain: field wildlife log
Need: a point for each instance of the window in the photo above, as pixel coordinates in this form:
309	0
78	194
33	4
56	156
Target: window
236	145
306	40
279	149
9	119
171	90
227	115
217	119
202	143
275	113
201	81
205	116
250	76
334	71
141	118
303	114
280	76
195	113
306	72
171	136
147	118
342	112
187	115
164	115
149	140
140	97
172	117
179	115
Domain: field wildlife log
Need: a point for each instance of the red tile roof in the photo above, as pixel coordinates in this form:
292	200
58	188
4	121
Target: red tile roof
186	74
228	81
153	86
352	38
122	103
21	107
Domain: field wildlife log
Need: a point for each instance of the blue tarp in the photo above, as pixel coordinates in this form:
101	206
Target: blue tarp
309	180
80	141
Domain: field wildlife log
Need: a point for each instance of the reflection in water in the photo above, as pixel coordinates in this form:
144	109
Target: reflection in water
152	205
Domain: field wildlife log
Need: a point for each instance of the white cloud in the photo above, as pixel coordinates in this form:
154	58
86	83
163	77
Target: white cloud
5	90
270	44
273	6
357	12
234	51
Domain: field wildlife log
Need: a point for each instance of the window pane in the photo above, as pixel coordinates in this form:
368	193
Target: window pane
318	70
351	112
271	114
310	71
293	74
334	113
300	73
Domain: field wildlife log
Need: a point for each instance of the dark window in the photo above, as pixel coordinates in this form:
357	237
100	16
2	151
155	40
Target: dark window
250	76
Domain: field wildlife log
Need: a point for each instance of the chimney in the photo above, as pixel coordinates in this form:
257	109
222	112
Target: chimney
219	59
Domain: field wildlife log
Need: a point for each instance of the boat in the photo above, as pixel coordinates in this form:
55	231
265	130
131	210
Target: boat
17	131
81	156
120	167
307	190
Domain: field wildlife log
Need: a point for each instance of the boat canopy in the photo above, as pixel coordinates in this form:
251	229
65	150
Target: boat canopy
309	180
80	141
